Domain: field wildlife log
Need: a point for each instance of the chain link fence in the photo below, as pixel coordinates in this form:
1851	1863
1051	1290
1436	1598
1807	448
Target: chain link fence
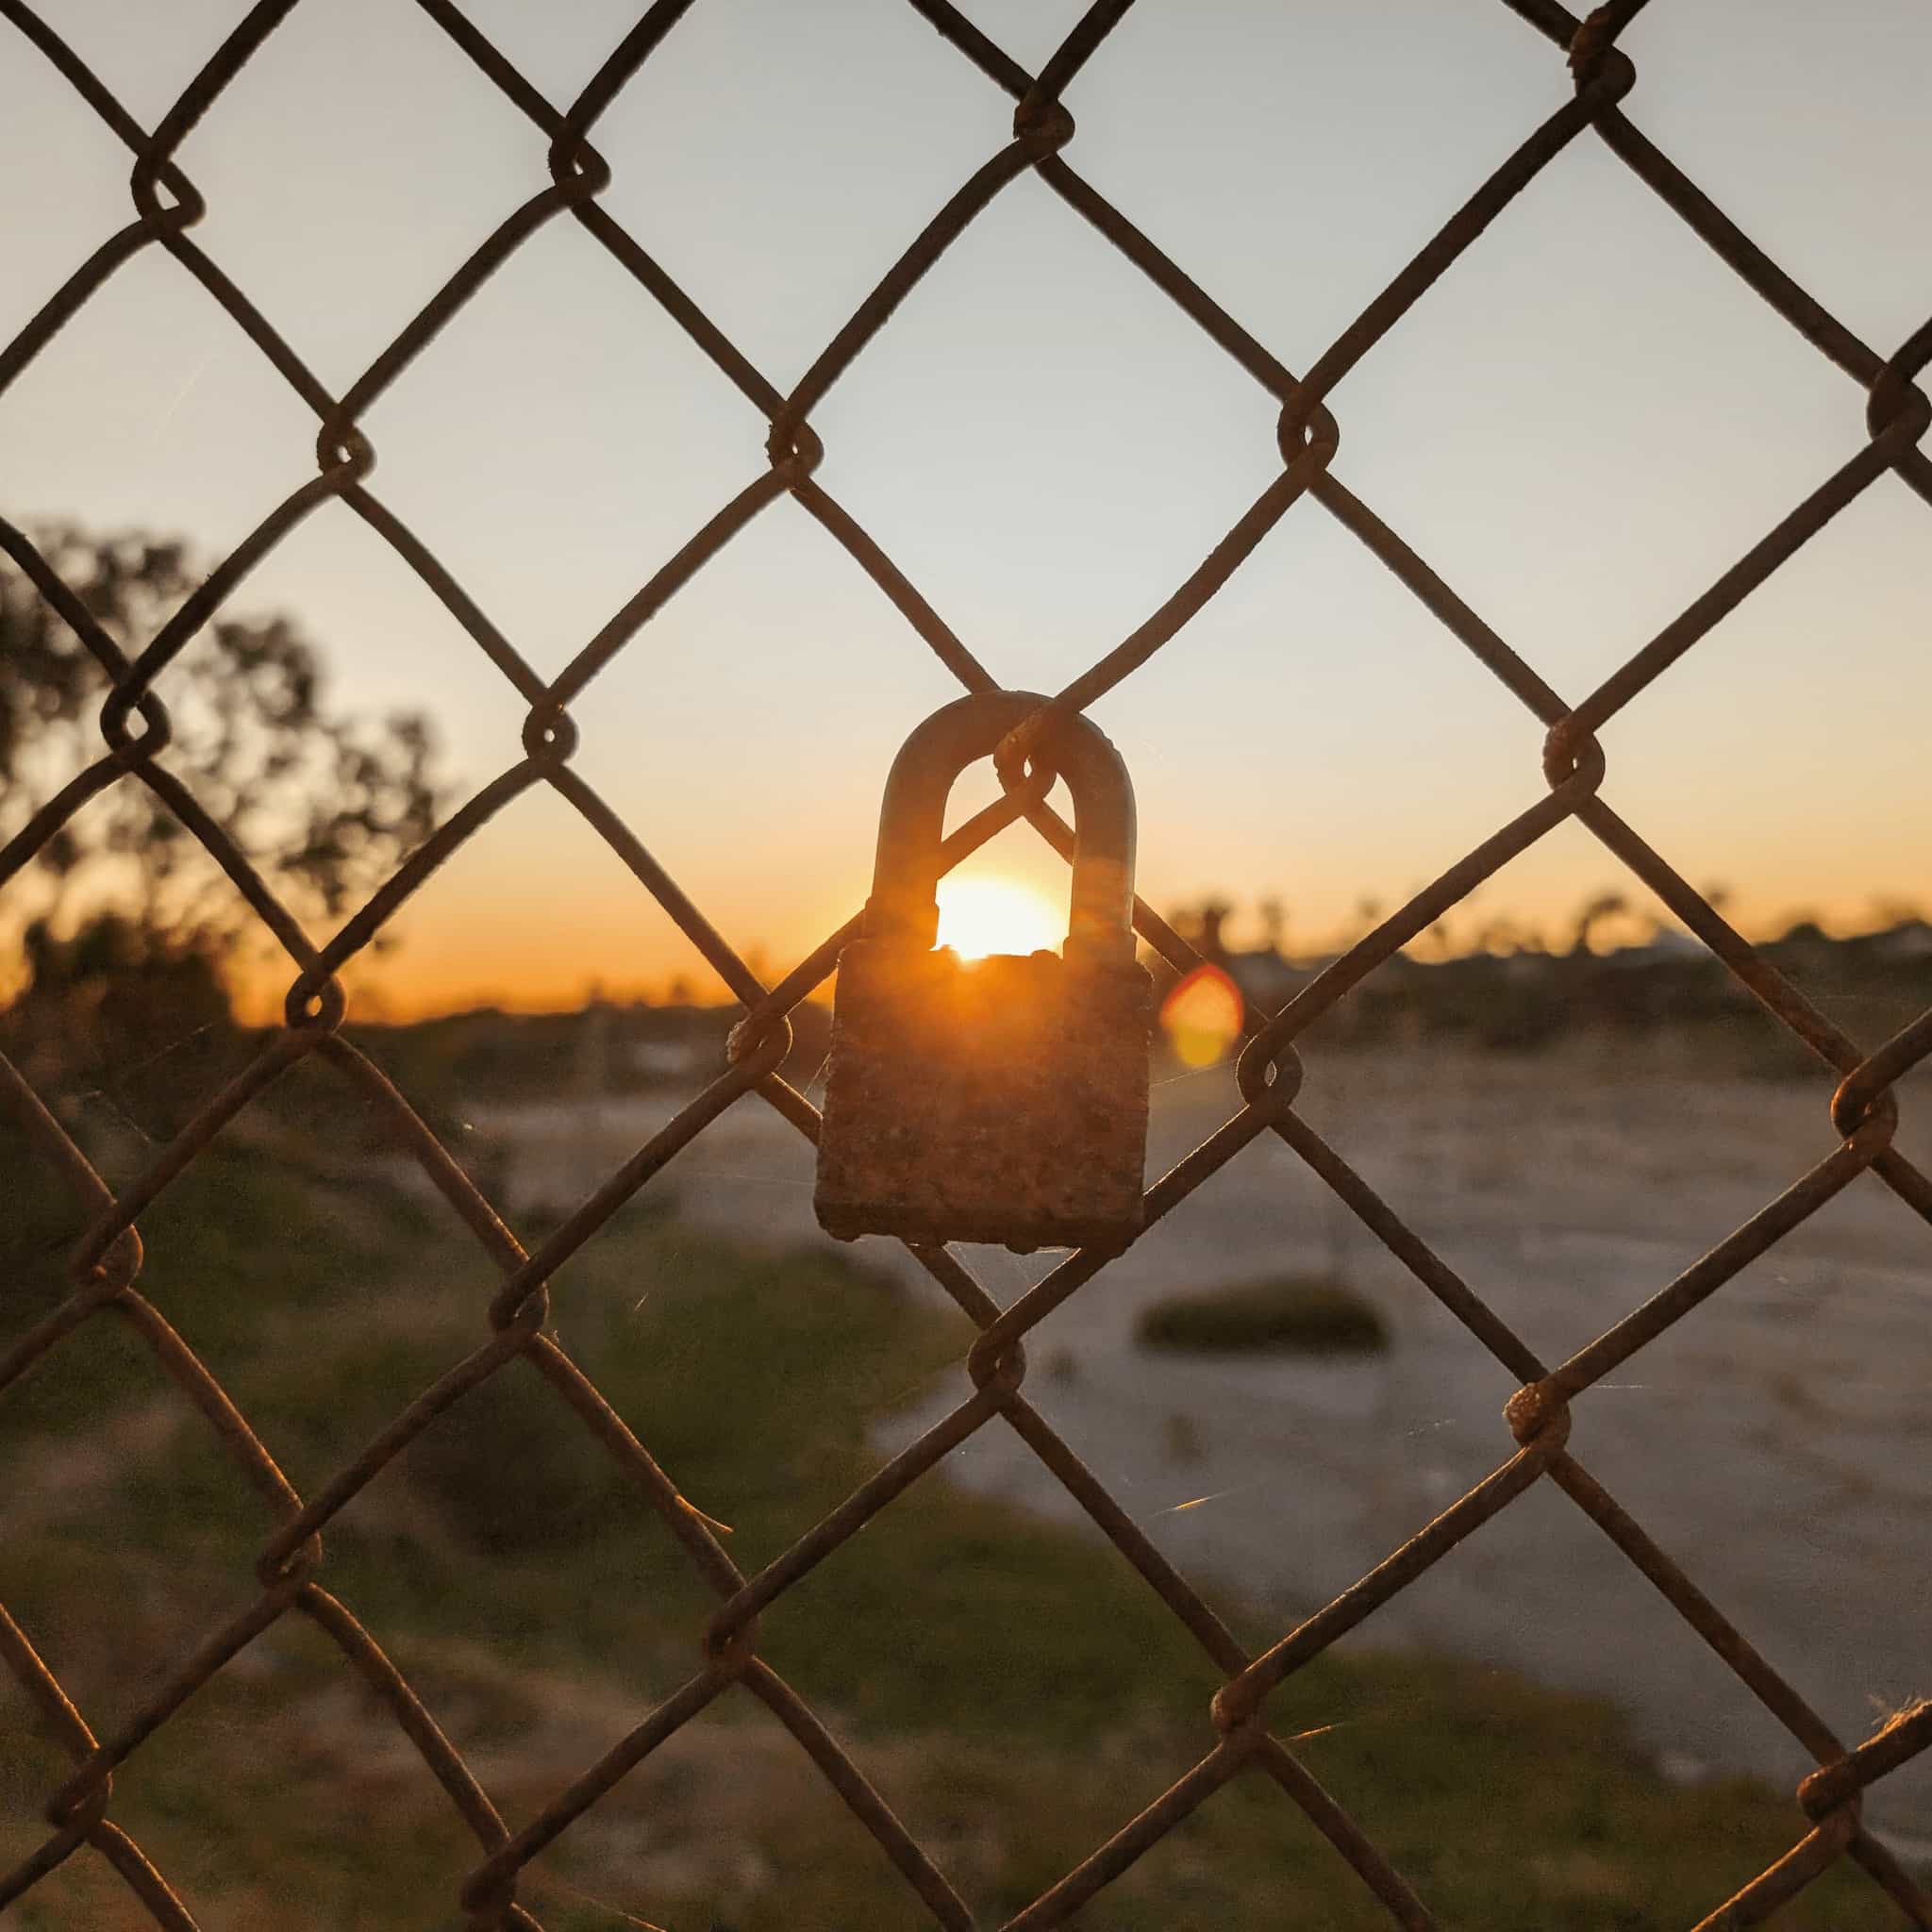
106	1266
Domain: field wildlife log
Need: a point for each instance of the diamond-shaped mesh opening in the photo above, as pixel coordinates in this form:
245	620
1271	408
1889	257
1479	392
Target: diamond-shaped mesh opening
1144	444
781	257
764	879
1390	752
1387	134
625	446
393	647
205	435
311	141
1472	448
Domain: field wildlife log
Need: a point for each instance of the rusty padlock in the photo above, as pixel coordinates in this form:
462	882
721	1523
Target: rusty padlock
1002	1099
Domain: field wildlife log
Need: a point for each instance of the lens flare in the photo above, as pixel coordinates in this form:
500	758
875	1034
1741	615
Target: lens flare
1202	1016
979	916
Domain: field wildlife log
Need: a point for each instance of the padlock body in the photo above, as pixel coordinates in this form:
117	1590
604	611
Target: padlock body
1002	1099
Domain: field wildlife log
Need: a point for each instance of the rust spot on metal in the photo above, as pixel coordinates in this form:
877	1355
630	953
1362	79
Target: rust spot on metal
997	1100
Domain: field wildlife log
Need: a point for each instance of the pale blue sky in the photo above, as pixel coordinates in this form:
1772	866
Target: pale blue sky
1579	427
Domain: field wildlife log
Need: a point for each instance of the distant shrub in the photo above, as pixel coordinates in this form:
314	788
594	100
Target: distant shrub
512	1470
1284	1314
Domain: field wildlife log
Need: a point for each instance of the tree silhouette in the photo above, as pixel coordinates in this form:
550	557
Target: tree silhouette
1274	915
324	806
1595	911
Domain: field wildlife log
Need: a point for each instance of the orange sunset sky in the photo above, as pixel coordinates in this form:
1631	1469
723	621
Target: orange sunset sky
1580	428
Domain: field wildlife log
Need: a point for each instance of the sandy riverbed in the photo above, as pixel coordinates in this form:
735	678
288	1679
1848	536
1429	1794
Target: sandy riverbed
1778	1442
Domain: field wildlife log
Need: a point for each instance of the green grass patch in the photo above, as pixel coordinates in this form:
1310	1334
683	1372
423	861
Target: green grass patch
1292	1314
1012	1687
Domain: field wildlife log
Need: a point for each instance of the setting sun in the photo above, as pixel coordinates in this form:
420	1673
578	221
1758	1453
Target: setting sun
979	916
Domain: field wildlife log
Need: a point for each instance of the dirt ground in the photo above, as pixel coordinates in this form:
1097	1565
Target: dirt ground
1777	1442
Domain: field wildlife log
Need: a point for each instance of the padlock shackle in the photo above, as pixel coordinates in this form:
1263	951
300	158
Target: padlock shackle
912	821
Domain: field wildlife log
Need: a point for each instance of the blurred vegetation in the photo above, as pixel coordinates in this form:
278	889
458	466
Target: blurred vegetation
122	932
1288	1314
1616	974
1014	1688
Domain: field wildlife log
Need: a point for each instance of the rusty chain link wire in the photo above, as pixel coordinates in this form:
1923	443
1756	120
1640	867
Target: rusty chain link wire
106	1265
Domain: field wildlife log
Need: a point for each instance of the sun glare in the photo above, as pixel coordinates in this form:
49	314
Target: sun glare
1202	1016
979	916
